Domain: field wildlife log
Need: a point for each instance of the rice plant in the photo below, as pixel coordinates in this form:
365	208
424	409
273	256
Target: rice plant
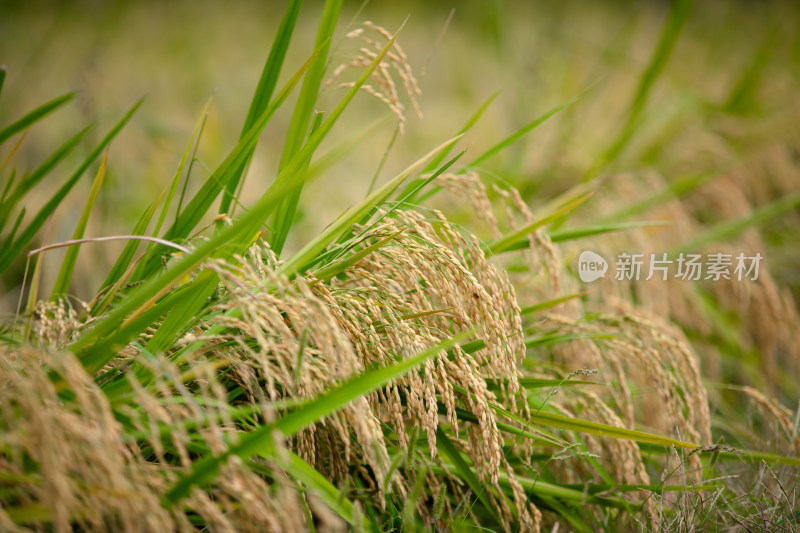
428	361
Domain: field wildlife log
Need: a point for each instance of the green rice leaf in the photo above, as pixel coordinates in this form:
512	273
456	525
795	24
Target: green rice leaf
520	133
33	116
532	433
29	514
32	179
557	338
743	96
745	456
464	471
584	426
519	237
306	255
68	264
335	268
732	228
540	383
677	187
9	253
123	262
594	488
316	483
234	163
549	304
589	231
537	487
413	187
436	161
299	126
605	430
182	315
266	85
678	14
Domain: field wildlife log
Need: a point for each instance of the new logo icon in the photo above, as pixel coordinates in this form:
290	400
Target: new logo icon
591	266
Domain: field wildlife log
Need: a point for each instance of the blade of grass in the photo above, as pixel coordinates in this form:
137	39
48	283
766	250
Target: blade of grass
584	426
405	197
520	133
68	263
176	178
122	264
520	236
547	340
746	456
732	228
299	126
14	151
658	489
536	434
384	157
463	470
468	126
36	278
302	258
13	233
571	234
437	161
29	181
181	315
538	487
570	513
589	231
263	94
410	507
549	304
7	187
604	430
316	482
192	161
188	219
344	146
743	95
107	293
540	383
29	514
678	187
678	14
8	254
334	269
34	116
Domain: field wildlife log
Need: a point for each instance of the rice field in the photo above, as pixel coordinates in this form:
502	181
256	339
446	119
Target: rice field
399	267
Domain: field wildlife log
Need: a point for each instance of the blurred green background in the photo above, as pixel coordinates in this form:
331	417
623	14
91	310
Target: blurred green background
727	98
